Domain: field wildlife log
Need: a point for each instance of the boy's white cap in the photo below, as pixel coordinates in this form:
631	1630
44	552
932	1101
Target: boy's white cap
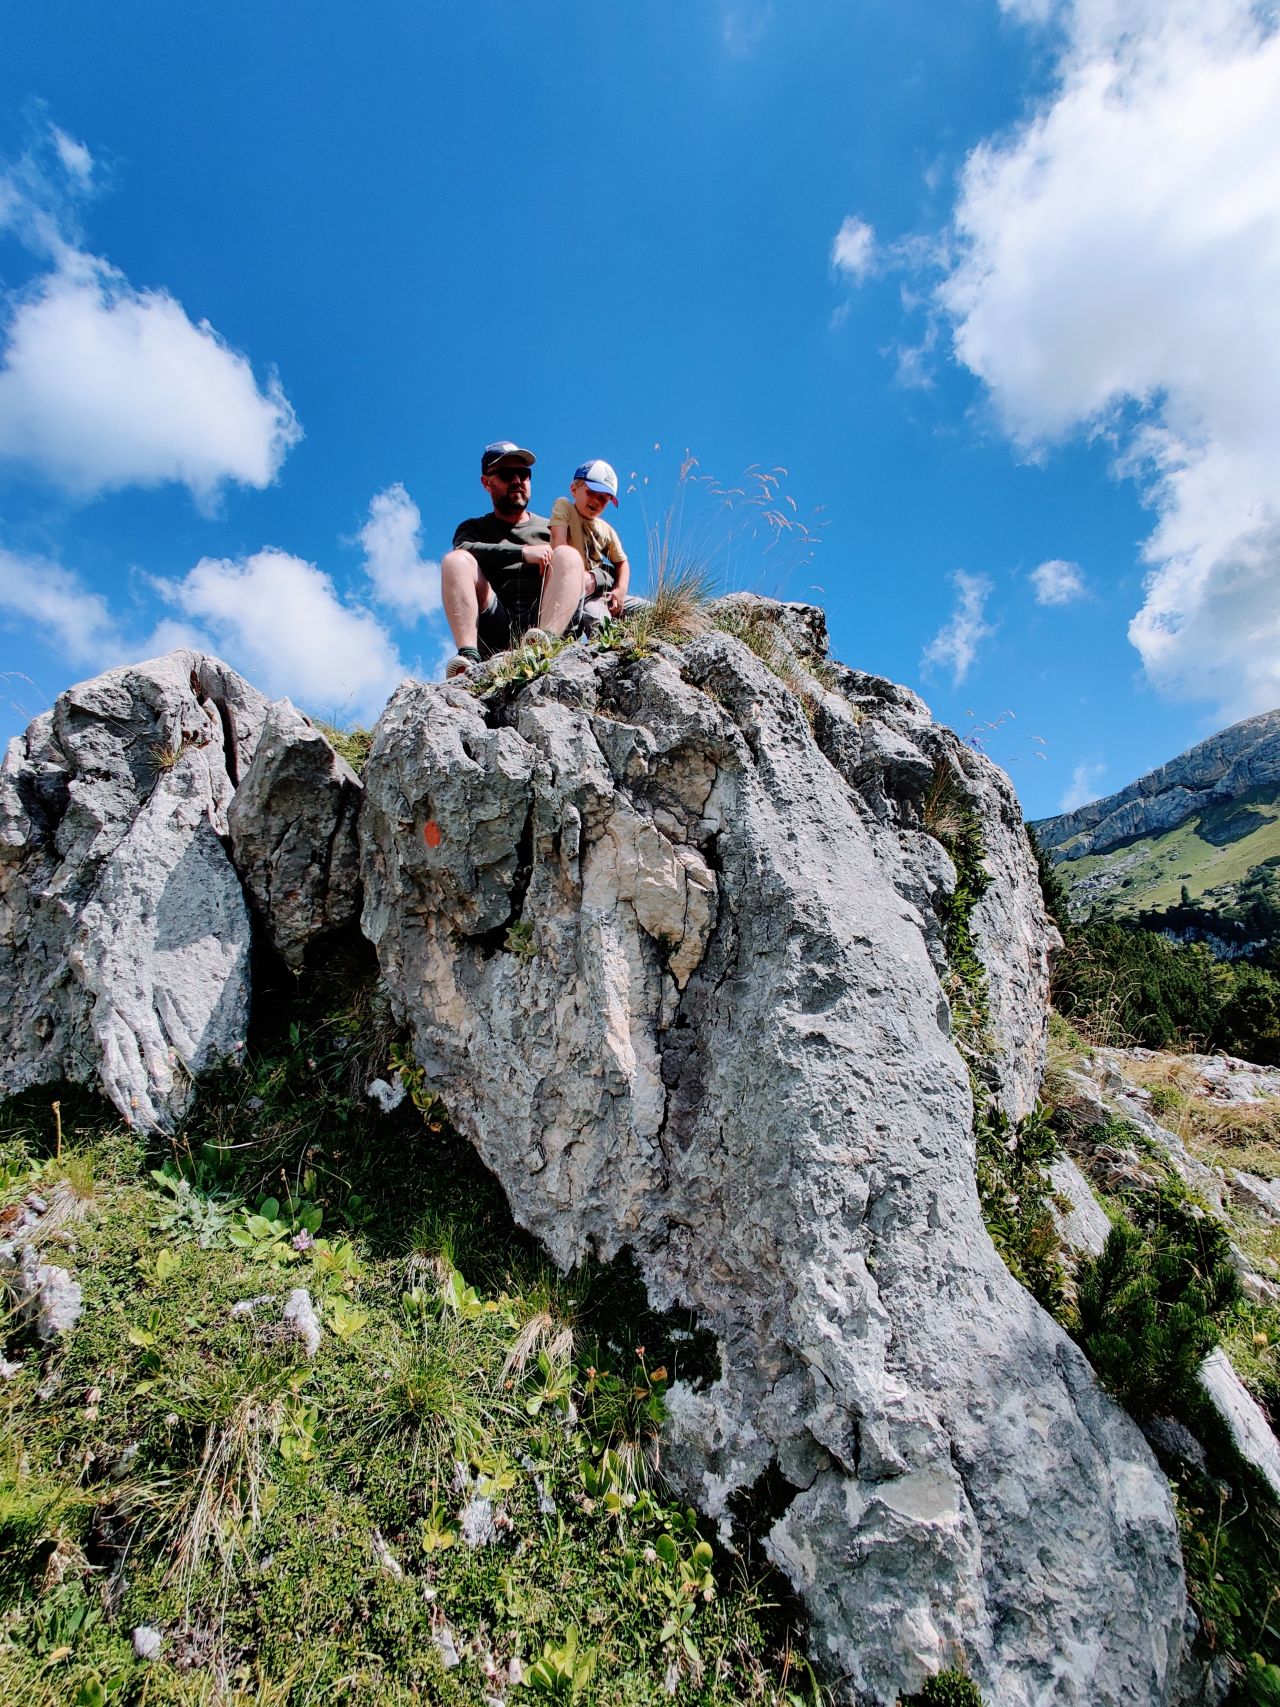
599	477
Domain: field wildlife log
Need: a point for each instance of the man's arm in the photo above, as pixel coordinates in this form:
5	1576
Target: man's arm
496	554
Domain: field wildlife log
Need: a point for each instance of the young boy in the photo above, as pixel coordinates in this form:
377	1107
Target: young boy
589	567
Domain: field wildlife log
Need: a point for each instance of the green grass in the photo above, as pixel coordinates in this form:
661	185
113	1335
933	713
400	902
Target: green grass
297	1529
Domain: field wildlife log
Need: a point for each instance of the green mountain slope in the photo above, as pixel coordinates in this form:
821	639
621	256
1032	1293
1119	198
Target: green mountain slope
1211	854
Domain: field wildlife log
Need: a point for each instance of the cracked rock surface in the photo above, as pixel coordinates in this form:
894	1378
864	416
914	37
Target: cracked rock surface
124	934
670	948
292	824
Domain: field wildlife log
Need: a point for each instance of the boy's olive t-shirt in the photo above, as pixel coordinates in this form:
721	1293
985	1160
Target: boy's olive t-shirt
596	540
497	546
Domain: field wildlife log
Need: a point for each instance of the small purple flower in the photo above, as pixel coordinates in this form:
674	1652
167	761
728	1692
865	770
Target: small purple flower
302	1241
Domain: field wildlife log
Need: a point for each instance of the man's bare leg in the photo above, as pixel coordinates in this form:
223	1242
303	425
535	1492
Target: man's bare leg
562	589
465	593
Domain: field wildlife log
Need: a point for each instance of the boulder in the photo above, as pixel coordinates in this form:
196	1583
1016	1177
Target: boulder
666	931
124	933
292	825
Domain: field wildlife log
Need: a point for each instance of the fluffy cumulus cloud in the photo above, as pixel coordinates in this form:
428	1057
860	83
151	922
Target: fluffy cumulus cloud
1119	271
854	250
401	577
61	610
955	646
1057	582
280	621
103	385
1083	786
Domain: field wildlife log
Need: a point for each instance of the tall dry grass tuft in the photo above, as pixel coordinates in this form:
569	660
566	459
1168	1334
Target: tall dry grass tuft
717	538
222	1508
945	809
1224	1134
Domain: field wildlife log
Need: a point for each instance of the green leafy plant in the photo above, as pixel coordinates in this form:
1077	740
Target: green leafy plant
299	1427
950	1688
564	1670
523	663
437	1533
263	1236
519	940
189	1212
159	1267
344	1319
1016	1197
1146	1307
551	1385
60	1620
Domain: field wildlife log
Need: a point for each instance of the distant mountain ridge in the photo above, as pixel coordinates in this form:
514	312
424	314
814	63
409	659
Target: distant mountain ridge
1222	768
1203	829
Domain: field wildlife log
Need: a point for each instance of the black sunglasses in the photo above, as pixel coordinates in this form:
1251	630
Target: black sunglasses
509	476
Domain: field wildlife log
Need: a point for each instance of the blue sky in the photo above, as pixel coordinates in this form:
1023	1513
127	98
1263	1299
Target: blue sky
996	282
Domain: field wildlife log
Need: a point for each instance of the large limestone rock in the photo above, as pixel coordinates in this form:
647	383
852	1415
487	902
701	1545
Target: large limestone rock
292	824
670	949
124	934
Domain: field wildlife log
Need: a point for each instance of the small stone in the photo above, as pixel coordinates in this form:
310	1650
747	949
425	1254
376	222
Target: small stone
442	1636
147	1642
476	1522
246	1306
387	1095
301	1320
385	1557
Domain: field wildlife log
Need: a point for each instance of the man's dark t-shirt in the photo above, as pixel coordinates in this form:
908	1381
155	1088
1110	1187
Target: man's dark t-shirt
496	545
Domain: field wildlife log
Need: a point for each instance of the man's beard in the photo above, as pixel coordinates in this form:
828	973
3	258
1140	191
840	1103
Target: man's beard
508	504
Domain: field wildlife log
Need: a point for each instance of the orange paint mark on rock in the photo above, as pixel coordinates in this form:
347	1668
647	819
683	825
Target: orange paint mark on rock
431	833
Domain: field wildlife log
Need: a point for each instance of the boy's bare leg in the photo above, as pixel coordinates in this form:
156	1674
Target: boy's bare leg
465	593
562	588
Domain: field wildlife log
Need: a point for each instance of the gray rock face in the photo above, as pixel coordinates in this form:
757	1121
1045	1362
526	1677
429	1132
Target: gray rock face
670	951
1244	1417
292	824
1228	764
124	935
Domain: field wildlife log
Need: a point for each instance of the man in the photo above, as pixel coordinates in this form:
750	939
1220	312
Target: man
500	576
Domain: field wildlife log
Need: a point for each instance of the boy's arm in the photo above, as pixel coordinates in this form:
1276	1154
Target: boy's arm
559	523
618	592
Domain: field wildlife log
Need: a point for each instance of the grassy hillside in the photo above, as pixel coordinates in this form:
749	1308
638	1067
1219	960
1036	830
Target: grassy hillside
456	1499
1210	854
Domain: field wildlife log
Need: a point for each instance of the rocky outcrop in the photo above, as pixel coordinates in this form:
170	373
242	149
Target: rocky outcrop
292	823
1245	756
667	933
124	934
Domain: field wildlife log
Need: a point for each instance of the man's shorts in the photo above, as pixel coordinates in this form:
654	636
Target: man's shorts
498	629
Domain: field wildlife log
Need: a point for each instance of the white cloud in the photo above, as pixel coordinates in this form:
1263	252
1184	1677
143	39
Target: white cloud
60	607
103	385
1057	582
1119	272
75	157
955	645
744	27
402	578
280	621
1083	786
854	249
